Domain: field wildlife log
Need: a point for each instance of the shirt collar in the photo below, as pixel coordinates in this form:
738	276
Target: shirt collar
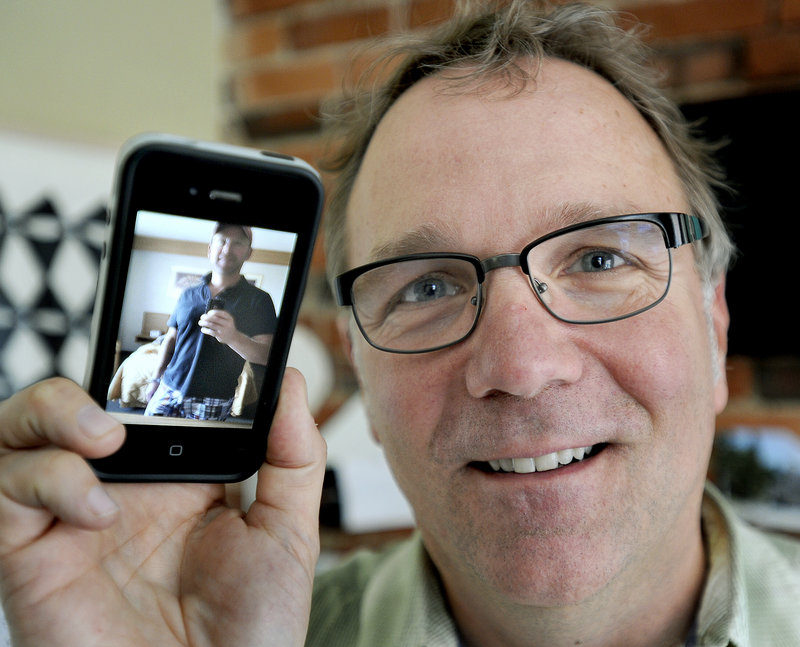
409	585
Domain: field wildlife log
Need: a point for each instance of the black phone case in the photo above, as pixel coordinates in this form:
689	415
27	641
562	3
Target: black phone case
169	175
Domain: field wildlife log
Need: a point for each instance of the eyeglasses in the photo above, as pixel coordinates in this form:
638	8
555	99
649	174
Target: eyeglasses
592	272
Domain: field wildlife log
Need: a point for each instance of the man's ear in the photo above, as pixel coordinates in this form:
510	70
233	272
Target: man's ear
346	336
344	324
720	320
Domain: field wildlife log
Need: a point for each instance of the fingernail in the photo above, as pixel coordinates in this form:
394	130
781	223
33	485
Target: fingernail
100	503
94	422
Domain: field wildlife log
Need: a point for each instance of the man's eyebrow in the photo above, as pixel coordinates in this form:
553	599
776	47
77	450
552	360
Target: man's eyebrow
572	213
443	237
426	238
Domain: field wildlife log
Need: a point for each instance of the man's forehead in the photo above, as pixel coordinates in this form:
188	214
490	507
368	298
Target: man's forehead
231	231
529	163
556	87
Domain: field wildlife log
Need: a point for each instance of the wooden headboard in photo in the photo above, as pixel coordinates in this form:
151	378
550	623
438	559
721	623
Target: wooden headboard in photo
152	321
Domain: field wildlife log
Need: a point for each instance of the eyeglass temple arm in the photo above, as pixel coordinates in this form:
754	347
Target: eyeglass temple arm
686	229
341	296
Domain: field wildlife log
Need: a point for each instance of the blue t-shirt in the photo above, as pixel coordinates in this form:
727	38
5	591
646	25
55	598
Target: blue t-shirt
201	366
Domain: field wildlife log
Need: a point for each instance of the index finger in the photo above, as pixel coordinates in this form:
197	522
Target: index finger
58	412
218	315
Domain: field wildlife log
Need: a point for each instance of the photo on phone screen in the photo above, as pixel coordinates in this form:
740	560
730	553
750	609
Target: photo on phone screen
185	353
206	259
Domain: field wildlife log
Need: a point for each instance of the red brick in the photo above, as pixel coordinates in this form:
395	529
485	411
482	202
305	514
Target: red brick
242	8
428	12
318	257
774	55
293	80
256	38
741	377
363	66
742	415
285	120
790	10
709	64
701	17
340	27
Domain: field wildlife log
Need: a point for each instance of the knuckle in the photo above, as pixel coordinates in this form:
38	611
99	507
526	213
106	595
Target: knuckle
50	395
62	465
35	412
46	479
64	462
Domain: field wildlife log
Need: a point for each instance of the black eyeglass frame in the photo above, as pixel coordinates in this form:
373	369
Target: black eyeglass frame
678	229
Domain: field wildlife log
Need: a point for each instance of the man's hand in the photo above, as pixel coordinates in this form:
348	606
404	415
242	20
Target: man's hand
220	324
152	387
82	563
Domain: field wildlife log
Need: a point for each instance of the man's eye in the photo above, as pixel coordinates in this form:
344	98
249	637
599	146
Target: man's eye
598	261
427	289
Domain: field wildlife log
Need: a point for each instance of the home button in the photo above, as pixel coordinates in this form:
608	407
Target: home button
175	450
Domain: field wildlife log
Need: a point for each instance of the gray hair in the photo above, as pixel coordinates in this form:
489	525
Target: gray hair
477	47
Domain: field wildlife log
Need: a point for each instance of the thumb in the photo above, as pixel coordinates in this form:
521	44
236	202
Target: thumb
290	481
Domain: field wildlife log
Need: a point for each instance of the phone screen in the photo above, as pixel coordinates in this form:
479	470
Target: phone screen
203	274
168	290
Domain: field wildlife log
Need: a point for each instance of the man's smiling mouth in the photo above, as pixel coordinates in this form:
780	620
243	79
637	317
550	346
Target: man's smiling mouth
543	463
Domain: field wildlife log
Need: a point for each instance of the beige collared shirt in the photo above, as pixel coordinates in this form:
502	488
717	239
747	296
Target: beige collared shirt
393	598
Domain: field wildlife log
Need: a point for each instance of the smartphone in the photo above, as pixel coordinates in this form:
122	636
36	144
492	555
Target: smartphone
215	303
196	226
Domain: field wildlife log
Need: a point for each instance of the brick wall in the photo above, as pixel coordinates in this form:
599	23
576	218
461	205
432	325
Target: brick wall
285	56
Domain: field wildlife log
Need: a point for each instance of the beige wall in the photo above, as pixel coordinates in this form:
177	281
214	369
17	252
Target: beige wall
101	70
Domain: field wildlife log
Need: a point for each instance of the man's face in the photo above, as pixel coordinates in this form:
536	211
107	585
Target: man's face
229	249
486	174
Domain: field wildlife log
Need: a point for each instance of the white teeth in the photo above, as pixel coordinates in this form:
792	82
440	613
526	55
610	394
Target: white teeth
525	465
565	456
547	462
540	463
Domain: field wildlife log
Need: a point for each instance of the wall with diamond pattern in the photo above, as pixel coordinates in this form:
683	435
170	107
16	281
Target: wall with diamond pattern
52	214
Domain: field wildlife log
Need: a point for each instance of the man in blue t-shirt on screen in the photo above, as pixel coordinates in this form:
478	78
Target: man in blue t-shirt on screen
215	327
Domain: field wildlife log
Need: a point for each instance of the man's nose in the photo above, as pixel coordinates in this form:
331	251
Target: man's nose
519	348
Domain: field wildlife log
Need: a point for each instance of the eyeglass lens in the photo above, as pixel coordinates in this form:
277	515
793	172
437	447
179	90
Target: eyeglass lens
599	273
602	273
417	304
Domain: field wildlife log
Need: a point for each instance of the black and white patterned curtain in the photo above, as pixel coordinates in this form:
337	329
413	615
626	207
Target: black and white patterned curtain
48	277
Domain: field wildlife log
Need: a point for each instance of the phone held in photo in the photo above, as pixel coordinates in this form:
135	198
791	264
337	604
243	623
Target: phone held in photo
205	263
